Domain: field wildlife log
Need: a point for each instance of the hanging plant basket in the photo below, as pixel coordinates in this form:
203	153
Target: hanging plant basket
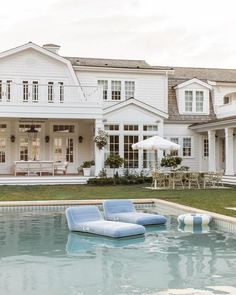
101	139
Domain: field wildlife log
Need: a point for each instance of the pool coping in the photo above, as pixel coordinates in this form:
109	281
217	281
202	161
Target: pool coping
224	222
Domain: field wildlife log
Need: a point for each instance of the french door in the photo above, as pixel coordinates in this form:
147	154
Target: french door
29	149
63	149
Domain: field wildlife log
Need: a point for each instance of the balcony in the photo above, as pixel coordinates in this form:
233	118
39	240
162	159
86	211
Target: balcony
53	100
226	110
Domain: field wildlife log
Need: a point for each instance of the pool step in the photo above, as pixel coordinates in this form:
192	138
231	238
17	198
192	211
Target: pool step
42	180
229	180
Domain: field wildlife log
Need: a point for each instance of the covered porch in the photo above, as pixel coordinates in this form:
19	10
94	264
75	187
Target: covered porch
217	145
41	147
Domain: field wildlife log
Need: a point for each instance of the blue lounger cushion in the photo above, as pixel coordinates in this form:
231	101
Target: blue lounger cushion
124	210
88	219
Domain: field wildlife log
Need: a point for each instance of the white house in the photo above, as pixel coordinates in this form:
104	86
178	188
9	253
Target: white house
51	107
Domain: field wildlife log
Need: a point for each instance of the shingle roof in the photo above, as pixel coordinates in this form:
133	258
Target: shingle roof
212	74
112	63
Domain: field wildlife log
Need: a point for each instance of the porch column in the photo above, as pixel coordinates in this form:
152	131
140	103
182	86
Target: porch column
229	151
99	154
212	150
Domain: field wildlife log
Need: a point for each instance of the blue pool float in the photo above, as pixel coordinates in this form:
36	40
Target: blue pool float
124	210
194	219
88	219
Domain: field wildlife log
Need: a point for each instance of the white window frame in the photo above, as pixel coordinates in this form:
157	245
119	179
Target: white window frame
109	87
180	151
194	101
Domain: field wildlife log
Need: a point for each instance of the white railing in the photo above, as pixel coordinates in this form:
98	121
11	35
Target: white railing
226	110
56	93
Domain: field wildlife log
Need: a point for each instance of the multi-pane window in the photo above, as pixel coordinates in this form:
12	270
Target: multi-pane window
104	84
150	128
58	150
129	89
199	101
8	90
113	144
25	91
131	127
2	150
25	127
64	128
61	91
3	127
35	91
188	101
187	147
174	153
0	90
50	91
24	149
130	155
148	157
69	150
116	90
111	127
205	147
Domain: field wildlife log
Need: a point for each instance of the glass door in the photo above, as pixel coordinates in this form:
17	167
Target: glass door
63	149
29	149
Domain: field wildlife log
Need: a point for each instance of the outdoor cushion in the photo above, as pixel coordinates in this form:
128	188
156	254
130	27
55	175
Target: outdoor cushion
88	219
123	210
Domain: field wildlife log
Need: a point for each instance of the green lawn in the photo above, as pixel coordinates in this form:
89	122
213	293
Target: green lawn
212	200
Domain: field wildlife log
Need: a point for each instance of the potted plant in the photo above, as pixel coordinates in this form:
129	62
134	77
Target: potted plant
171	161
114	161
101	139
86	166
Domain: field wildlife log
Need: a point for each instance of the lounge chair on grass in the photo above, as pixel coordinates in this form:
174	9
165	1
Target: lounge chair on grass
124	211
88	219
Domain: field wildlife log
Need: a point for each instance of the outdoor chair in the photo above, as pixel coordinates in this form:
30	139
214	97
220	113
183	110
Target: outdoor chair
193	178
159	178
61	168
176	178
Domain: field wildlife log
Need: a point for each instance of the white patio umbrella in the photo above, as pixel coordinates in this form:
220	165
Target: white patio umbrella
156	143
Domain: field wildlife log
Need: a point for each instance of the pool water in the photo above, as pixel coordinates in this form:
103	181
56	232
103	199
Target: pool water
38	255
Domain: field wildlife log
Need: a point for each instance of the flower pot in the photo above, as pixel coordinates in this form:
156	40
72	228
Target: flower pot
86	171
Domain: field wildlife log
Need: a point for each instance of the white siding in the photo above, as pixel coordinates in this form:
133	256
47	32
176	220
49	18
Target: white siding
182	130
30	64
180	94
149	88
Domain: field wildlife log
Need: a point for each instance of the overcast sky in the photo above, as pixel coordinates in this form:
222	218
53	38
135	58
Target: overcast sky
164	32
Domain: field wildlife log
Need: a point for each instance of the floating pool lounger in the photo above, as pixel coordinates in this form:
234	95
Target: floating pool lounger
124	211
88	219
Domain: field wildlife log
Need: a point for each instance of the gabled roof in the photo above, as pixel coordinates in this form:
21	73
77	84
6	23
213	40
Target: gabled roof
43	51
191	81
133	101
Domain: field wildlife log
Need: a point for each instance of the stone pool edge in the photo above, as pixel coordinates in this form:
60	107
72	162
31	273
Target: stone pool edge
223	222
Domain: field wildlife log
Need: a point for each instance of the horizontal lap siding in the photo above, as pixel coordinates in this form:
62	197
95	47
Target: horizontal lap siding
30	64
150	89
182	130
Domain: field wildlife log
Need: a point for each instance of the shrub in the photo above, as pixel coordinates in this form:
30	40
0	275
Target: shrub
170	161
114	161
86	164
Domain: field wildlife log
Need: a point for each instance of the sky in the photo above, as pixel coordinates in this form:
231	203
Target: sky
198	33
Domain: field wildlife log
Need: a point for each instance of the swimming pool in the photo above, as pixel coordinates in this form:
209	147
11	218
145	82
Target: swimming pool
40	256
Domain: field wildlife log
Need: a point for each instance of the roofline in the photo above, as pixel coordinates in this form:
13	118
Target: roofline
137	102
193	80
43	51
215	123
122	69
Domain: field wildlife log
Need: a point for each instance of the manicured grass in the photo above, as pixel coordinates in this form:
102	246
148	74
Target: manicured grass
213	200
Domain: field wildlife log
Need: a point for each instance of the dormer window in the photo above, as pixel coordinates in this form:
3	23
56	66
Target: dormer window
194	101
188	101
193	97
226	100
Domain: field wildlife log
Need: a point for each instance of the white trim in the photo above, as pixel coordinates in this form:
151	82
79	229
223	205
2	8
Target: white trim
191	81
43	51
135	102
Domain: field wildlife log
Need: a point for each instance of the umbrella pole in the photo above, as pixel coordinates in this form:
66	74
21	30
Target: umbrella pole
155	169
